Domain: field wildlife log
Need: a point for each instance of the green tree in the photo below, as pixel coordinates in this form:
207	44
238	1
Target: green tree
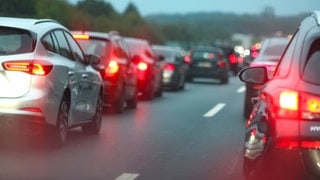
17	8
97	8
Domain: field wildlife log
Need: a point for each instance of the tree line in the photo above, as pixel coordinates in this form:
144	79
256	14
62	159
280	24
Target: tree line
99	15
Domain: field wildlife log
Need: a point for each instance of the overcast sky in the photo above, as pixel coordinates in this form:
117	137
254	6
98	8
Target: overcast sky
281	7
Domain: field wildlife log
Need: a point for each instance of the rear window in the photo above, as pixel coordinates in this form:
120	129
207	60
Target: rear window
170	56
15	41
275	50
97	47
204	55
311	72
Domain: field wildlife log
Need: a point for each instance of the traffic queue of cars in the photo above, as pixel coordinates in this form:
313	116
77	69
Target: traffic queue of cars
285	119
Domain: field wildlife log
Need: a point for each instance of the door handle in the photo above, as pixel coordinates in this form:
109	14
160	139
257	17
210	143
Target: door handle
84	76
71	73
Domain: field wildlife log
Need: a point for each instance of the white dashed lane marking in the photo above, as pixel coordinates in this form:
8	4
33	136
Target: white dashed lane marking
127	176
214	110
241	89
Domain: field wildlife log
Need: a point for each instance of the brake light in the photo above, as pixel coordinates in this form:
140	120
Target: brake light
310	144
310	106
289	100
113	67
294	104
81	36
40	68
233	58
187	59
169	67
142	66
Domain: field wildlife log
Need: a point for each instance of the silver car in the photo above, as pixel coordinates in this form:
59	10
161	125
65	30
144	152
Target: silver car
47	83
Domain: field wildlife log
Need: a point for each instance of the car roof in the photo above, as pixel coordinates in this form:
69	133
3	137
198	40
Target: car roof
103	35
35	25
135	40
162	47
316	14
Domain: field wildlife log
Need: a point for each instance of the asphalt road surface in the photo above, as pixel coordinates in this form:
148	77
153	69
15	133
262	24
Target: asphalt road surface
192	134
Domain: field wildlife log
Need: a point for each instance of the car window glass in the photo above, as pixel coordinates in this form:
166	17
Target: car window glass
118	51
311	72
100	48
275	50
148	53
49	43
76	51
64	48
15	41
203	55
284	65
124	49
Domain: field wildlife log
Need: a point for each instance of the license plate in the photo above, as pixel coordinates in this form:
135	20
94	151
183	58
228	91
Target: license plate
204	64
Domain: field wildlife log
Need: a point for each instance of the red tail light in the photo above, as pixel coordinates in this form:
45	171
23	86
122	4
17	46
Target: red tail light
40	68
294	104
221	63
142	66
233	58
169	67
113	68
310	144
187	59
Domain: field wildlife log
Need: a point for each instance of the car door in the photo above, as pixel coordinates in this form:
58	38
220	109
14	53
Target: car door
77	80
90	79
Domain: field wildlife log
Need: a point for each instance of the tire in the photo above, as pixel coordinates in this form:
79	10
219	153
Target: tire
61	129
95	126
132	103
149	92
224	80
159	91
119	105
248	105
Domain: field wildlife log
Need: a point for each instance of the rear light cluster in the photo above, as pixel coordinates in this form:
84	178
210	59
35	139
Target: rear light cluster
287	143
298	105
169	67
142	66
233	58
221	63
112	68
40	68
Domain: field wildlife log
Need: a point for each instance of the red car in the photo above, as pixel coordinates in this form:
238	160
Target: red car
282	139
269	55
118	72
150	67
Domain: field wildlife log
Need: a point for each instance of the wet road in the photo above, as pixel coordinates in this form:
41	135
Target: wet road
193	134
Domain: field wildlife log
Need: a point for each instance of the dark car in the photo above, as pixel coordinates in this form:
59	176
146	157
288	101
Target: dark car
234	58
269	55
117	70
208	62
284	127
149	66
174	68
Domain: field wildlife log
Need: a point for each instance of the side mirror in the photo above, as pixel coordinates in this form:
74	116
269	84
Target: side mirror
92	59
254	75
161	58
